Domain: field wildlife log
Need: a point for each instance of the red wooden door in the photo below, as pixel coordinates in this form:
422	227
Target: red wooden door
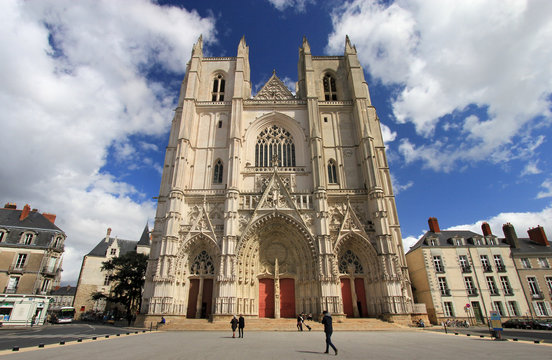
361	297
287	298
266	298
207	298
192	298
346	295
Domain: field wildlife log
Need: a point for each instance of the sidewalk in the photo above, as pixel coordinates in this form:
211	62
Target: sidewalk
287	345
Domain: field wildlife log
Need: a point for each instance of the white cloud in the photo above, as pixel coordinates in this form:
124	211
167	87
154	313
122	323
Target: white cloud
397	187
522	222
449	55
388	135
531	168
74	85
299	5
547	185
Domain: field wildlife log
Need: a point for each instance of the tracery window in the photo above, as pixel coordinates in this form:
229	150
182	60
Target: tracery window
332	172
274	142
330	92
204	263
218	88
347	259
217	172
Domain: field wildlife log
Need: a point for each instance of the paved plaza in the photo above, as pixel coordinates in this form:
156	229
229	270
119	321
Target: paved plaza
287	345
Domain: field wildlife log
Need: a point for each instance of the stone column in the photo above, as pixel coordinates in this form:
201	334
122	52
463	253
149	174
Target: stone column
276	290
200	293
354	298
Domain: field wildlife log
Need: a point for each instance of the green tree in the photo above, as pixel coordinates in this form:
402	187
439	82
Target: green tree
127	273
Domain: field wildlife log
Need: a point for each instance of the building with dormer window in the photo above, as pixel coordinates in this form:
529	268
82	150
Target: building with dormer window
462	275
92	279
276	203
31	255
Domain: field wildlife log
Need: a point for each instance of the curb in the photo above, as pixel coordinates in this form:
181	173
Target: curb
62	343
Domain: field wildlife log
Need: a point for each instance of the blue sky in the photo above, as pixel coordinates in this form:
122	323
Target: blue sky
463	91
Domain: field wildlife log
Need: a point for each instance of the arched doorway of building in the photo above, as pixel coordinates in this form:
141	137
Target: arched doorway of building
357	265
278	261
200	293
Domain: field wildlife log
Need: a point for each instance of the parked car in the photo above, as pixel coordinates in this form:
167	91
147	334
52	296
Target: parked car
518	324
543	324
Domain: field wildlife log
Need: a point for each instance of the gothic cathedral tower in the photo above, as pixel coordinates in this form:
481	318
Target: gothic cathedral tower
278	203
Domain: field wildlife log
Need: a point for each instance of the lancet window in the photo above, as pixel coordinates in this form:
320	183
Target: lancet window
350	260
217	172
330	92
203	264
274	143
218	88
332	172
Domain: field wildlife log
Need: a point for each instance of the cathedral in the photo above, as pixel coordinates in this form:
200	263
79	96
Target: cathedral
278	203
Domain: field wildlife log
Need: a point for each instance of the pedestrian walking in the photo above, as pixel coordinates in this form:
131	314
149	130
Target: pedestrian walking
328	330
299	322
241	325
303	316
234	325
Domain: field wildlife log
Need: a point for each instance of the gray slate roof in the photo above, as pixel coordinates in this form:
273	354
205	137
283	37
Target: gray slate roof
64	291
124	247
145	238
35	221
526	245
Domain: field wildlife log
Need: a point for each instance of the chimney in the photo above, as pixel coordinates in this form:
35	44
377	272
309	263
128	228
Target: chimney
486	228
50	217
537	235
25	212
12	206
433	225
510	235
107	235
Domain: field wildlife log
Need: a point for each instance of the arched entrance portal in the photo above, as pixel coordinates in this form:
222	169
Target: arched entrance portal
357	266
276	269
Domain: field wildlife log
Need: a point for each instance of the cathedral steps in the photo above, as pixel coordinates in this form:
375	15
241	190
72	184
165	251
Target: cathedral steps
257	324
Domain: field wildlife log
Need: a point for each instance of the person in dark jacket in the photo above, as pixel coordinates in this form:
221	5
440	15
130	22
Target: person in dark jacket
241	325
234	324
299	322
328	330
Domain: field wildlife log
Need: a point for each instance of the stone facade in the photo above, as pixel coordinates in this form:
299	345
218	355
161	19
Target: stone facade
461	275
31	250
92	279
278	203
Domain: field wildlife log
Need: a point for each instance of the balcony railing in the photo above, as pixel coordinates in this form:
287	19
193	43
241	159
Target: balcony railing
48	272
501	268
440	269
487	268
473	292
466	269
16	269
445	292
508	292
537	295
494	292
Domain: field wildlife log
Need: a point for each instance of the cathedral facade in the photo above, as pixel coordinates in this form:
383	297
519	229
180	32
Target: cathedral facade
278	203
